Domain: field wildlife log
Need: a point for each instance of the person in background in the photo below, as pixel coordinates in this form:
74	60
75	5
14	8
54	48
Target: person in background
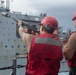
70	50
45	52
23	32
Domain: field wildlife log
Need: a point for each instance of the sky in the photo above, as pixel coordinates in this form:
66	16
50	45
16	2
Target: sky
62	10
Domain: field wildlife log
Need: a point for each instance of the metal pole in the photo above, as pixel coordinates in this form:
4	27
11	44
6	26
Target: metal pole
14	66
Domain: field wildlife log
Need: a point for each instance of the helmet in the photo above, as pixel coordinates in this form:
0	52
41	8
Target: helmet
74	16
50	21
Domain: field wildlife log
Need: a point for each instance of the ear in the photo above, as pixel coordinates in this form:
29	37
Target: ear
42	28
55	31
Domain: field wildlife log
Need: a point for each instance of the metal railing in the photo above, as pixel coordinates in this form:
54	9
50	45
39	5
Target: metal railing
13	67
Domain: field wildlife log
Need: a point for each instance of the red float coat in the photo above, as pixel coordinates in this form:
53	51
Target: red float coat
45	55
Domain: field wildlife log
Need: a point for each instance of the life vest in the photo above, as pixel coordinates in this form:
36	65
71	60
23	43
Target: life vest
45	55
72	61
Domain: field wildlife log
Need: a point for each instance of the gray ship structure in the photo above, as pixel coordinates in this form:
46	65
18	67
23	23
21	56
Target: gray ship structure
11	44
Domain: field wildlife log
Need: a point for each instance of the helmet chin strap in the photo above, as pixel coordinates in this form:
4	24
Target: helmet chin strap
47	27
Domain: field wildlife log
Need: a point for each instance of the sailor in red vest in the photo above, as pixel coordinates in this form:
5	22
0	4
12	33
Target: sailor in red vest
70	50
45	51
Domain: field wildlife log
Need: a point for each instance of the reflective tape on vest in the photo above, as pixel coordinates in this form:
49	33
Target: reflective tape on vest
47	41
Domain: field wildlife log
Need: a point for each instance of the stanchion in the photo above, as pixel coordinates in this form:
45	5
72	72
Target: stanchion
14	66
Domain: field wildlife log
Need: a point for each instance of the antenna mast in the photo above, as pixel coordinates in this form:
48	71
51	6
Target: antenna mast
7	4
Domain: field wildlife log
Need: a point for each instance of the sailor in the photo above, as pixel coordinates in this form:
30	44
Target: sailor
70	50
24	35
45	51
